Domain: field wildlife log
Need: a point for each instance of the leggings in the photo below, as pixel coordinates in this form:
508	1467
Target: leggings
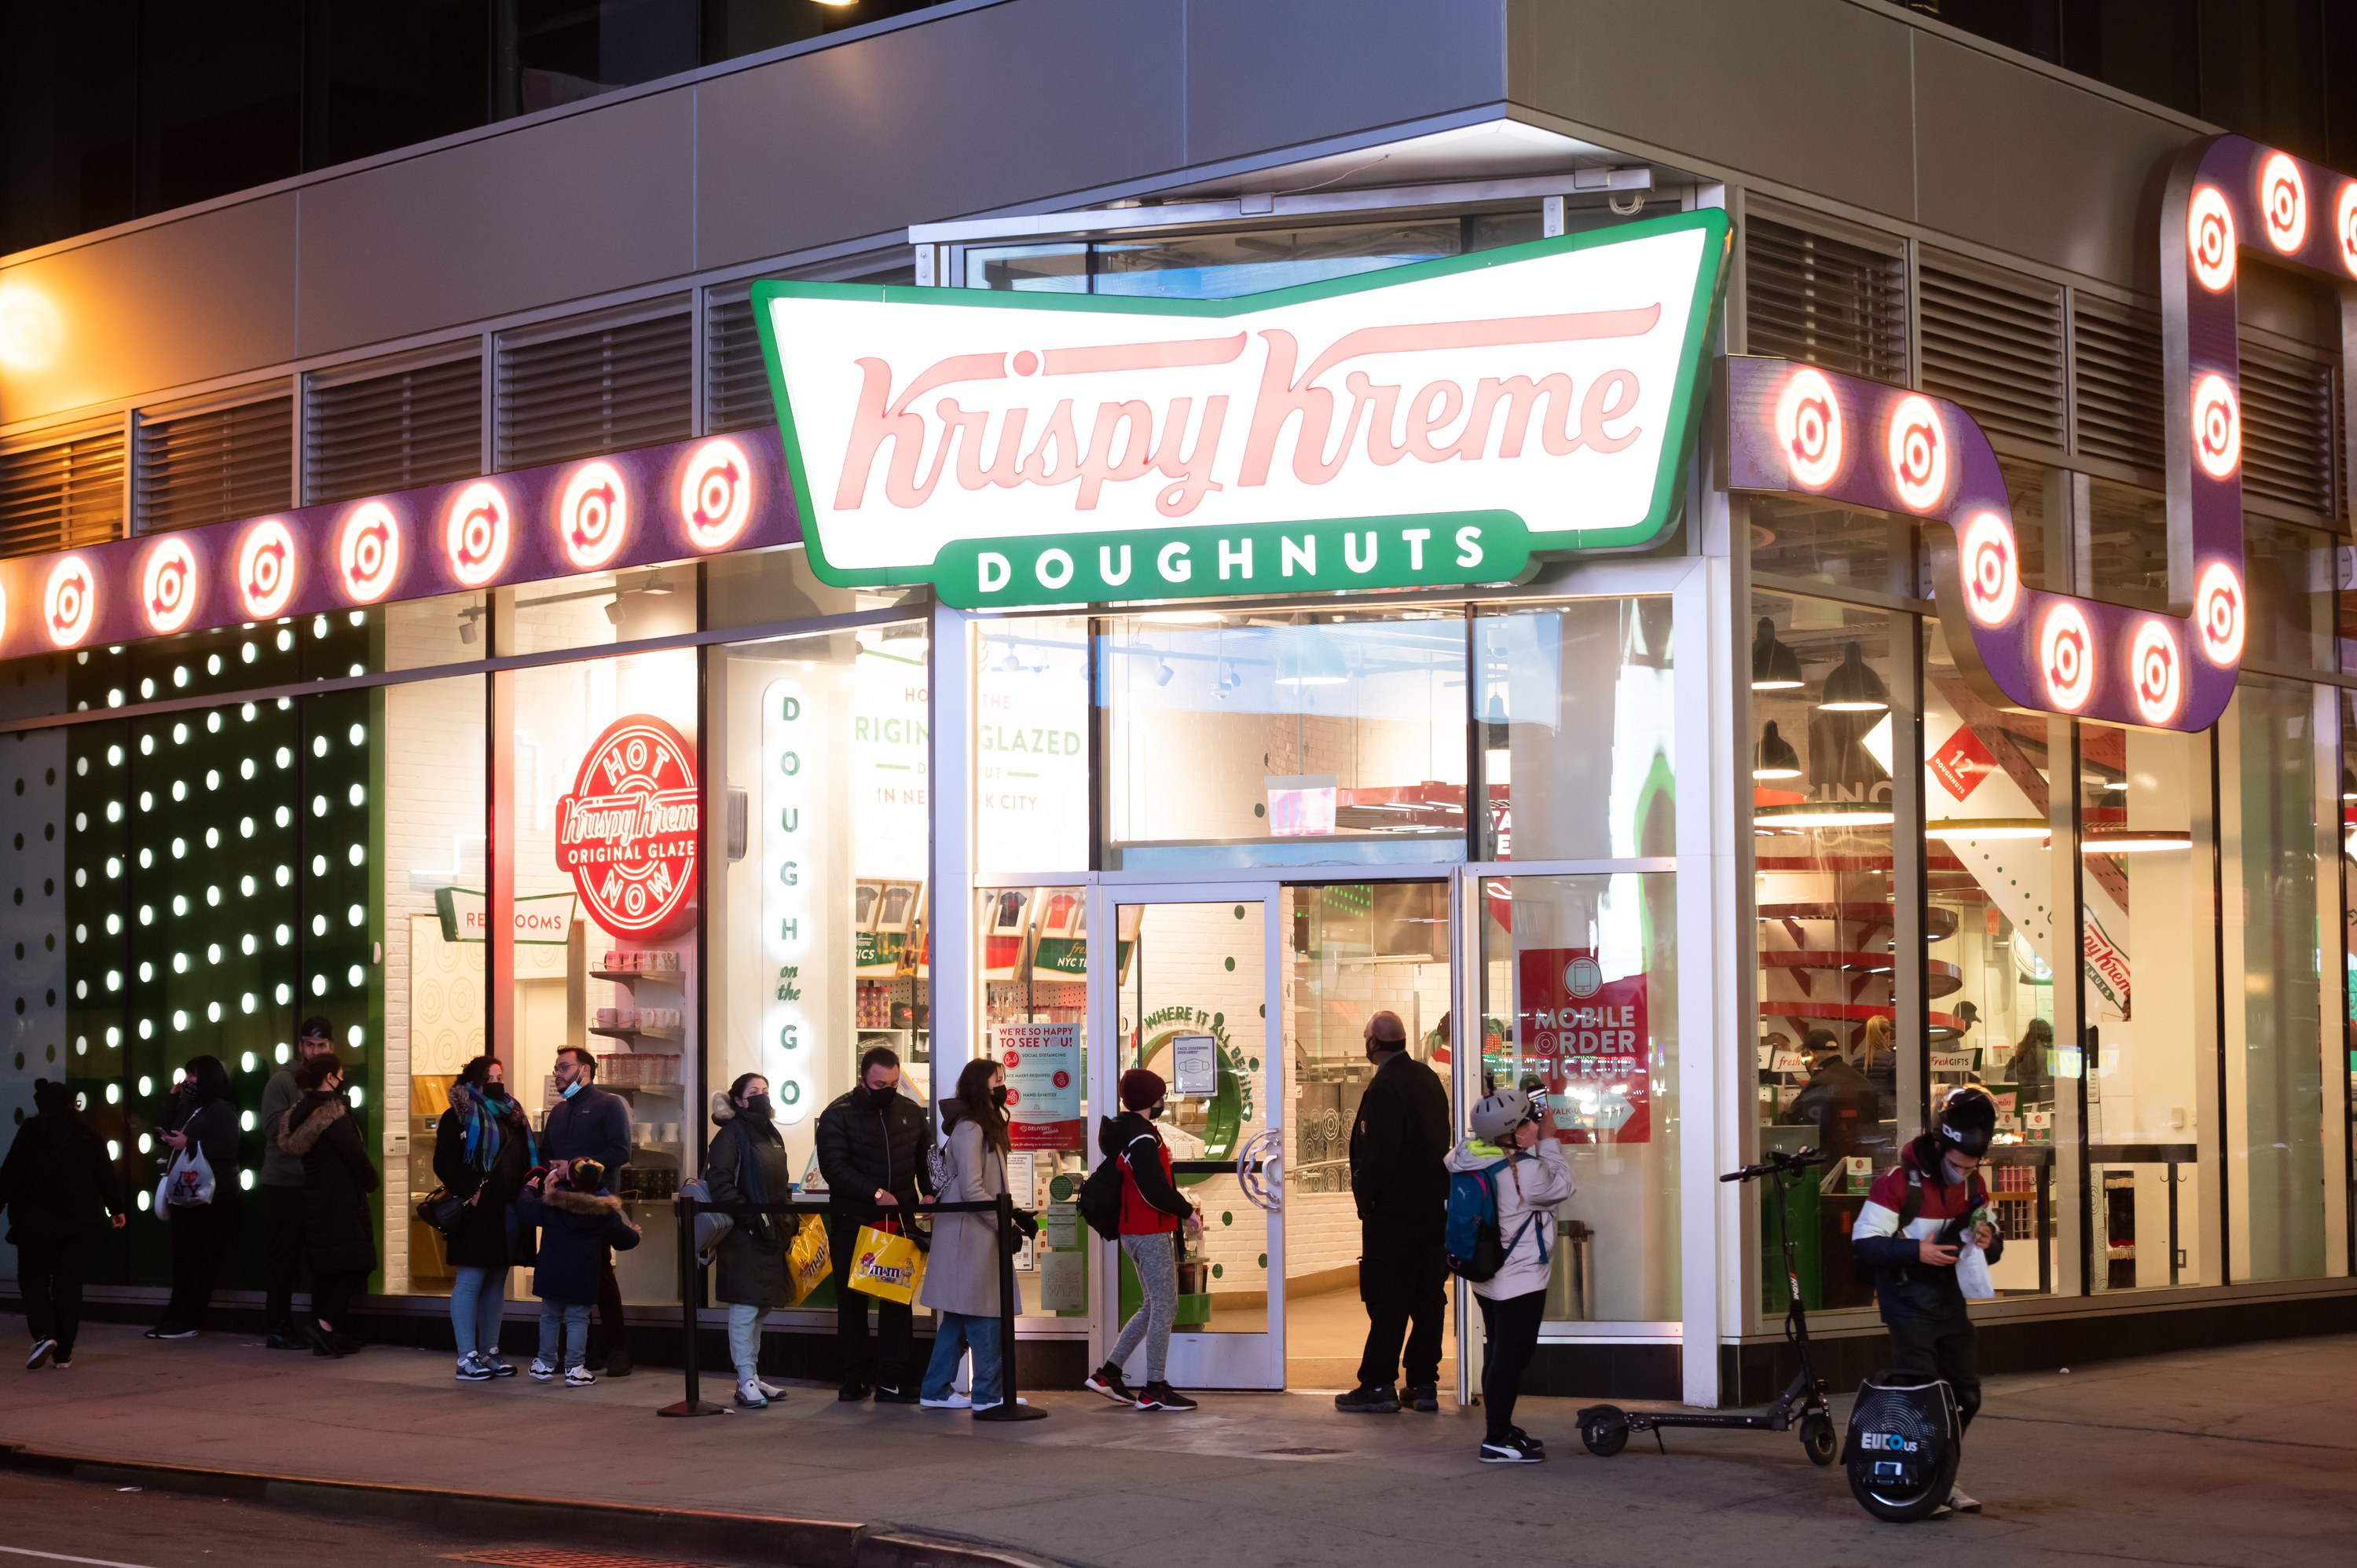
1158	1277
1510	1330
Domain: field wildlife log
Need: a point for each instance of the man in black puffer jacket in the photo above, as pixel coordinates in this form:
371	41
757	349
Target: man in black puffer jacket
871	1152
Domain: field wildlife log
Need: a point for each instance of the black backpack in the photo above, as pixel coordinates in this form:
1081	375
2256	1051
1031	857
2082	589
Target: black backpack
1100	1194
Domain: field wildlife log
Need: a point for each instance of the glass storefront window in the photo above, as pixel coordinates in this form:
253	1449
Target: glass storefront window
2127	545
2148	1080
1579	992
1812	540
1578	714
2275	803
1283	737
1030	729
1032	948
2292	571
817	935
1822	679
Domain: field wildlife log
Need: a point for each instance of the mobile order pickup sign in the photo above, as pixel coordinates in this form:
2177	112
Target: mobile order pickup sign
1437	423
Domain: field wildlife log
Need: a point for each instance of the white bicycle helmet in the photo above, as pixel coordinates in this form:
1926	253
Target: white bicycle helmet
1497	1116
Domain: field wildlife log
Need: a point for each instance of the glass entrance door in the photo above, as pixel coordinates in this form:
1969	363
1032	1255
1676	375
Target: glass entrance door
1186	988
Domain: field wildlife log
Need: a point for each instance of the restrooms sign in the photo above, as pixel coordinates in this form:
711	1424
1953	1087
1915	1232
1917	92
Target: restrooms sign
1435	424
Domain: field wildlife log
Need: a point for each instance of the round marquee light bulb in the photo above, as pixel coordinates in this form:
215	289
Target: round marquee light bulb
1916	446
2344	225
1809	429
716	494
2283	203
368	553
70	601
168	585
593	515
2217	426
2066	657
266	569
2156	671
475	534
2218	614
1991	567
2209	239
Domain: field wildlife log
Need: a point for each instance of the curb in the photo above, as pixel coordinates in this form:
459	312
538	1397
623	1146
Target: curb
800	1543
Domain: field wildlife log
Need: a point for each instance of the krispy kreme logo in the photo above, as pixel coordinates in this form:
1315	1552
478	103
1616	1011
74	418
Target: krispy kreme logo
1541	390
627	833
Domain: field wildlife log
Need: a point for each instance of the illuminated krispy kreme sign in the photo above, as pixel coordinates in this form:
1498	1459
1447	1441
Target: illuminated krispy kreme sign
628	831
1438	423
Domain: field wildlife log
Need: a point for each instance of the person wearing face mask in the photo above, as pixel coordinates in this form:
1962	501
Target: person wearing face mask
748	1165
962	1271
588	1123
1526	1167
483	1150
281	1192
1152	1209
1399	1178
871	1150
337	1180
202	1116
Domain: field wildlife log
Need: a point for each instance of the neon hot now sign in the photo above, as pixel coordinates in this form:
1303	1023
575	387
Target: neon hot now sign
1802	430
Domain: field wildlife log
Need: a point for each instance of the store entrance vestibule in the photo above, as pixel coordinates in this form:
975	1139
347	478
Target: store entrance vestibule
1268	1297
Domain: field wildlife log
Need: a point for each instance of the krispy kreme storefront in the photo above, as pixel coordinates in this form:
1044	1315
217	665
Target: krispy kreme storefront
1169	646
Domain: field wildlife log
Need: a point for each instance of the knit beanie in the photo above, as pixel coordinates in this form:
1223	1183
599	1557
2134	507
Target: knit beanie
1141	1089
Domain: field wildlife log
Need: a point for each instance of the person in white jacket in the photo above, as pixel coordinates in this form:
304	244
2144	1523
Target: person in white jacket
1511	1139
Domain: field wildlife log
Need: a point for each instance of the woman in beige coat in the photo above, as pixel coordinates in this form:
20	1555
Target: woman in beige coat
962	1271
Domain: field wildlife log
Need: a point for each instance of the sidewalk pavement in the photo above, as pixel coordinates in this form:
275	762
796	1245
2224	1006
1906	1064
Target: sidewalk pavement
2245	1456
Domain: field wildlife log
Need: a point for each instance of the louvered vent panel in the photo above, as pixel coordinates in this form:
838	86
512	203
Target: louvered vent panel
417	426
2288	429
2116	382
1825	301
1993	343
61	496
623	386
736	381
215	465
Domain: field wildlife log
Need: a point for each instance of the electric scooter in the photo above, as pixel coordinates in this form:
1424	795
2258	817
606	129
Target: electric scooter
1605	1428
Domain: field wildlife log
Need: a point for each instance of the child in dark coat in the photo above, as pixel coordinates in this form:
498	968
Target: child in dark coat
578	1220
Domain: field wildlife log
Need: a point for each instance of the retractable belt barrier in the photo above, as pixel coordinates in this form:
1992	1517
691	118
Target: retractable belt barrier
1010	1408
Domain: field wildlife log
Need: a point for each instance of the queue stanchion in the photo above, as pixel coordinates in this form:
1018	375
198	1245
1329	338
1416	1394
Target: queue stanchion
1009	1407
693	1404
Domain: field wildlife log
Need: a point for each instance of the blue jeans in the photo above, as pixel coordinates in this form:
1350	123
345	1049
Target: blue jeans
957	1332
564	1333
476	1303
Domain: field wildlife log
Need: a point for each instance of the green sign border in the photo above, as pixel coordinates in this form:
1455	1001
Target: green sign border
1702	316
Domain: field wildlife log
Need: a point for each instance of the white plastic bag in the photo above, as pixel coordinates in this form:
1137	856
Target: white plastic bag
1973	1272
189	1183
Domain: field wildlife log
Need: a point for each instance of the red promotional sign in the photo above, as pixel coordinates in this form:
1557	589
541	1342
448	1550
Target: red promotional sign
1959	764
628	831
1585	1035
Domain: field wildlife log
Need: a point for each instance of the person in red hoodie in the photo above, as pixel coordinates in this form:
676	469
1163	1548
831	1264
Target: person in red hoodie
1151	1212
1918	1219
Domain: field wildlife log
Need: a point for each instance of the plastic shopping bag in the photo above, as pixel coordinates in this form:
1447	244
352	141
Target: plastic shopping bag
1973	1272
189	1183
887	1265
807	1260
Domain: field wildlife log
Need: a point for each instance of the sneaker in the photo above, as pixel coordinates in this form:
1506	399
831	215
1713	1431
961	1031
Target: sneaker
540	1371
852	1394
1961	1503
748	1395
61	1360
1508	1453
286	1340
1525	1440
1422	1396
770	1391
986	1408
472	1370
1159	1395
955	1401
1368	1401
42	1350
579	1377
160	1332
1106	1380
499	1368
888	1395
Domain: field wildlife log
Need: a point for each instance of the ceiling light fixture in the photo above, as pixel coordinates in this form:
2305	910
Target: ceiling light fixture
1775	758
1987	827
2134	841
1774	667
1825	814
1853	687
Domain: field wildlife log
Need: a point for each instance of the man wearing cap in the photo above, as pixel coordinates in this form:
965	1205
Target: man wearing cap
1399	1178
282	1191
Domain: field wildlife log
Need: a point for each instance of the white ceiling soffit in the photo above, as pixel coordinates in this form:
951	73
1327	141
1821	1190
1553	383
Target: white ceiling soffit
1496	160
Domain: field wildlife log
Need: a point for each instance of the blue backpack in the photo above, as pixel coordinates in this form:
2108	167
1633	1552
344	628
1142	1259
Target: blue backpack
1476	1249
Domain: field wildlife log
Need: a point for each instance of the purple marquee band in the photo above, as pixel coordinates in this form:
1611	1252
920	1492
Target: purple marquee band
624	509
1797	429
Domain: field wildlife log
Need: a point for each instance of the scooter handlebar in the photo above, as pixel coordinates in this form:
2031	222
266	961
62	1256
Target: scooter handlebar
1778	1162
